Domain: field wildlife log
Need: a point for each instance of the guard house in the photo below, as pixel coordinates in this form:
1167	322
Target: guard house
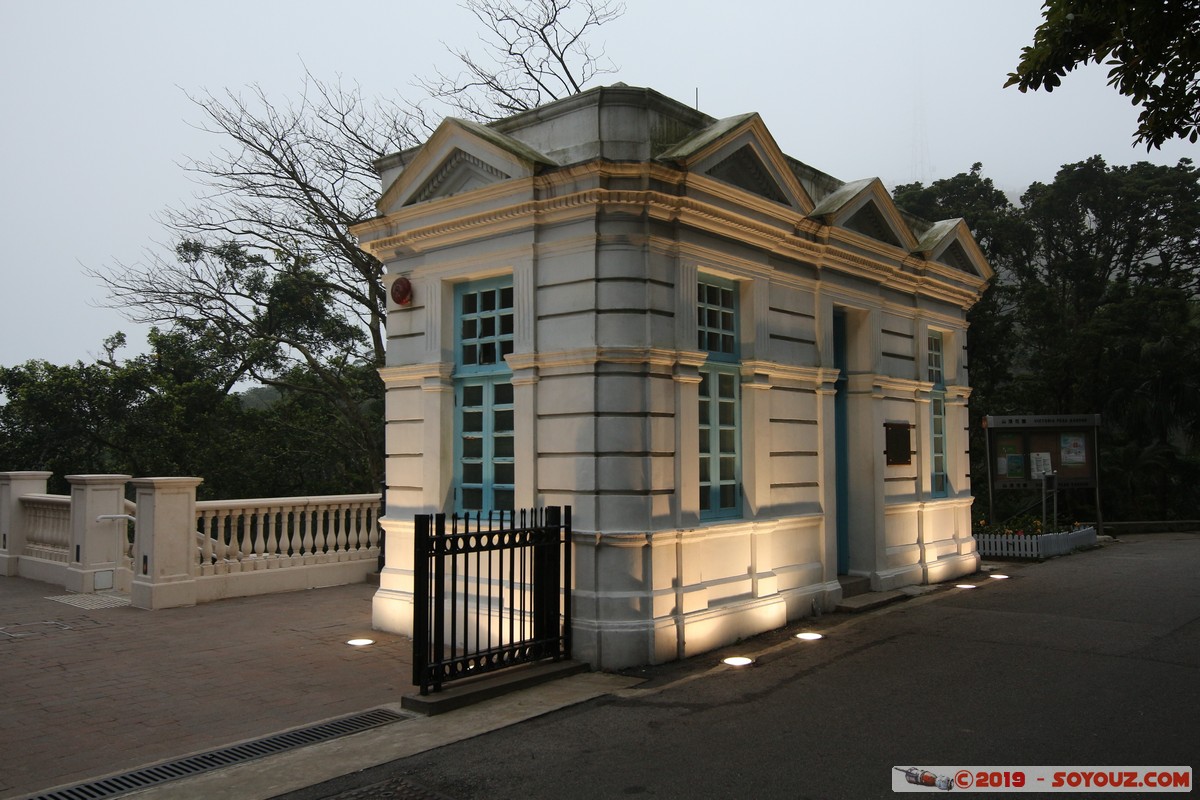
745	376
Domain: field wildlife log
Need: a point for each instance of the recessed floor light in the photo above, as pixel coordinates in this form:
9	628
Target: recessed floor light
998	576
360	642
809	637
737	661
964	586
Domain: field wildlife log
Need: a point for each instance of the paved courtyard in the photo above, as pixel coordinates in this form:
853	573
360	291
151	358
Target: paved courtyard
88	691
1088	659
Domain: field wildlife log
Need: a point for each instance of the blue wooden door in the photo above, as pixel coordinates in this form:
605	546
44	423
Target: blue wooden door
841	444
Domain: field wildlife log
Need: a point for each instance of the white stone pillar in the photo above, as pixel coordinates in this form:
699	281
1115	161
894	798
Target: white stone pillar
756	441
686	501
164	562
96	544
13	486
524	383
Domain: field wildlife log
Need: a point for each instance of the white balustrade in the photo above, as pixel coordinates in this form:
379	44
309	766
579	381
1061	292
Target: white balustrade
270	533
47	526
234	548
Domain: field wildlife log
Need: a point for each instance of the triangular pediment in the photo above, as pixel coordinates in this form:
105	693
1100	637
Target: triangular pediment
950	242
741	152
865	207
460	156
460	172
744	170
869	221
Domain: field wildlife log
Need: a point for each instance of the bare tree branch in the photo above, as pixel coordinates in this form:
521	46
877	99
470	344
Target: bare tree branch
532	52
264	261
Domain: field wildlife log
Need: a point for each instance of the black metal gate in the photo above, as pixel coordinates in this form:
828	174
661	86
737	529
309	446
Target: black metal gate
493	592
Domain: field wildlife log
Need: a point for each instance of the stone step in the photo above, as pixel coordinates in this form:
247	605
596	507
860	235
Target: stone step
870	600
854	585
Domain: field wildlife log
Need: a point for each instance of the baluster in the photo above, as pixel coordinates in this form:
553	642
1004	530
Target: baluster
206	544
233	548
354	529
289	522
237	540
333	532
260	535
270	534
370	527
342	532
260	538
306	546
62	540
226	541
320	533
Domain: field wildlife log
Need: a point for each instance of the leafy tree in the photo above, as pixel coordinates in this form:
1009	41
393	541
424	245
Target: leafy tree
168	412
1104	236
163	413
1095	309
1151	46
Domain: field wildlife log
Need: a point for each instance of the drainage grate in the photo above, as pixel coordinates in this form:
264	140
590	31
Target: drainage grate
92	601
224	757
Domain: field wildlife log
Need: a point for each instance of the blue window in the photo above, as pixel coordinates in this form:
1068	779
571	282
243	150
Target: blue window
484	471
939	485
720	400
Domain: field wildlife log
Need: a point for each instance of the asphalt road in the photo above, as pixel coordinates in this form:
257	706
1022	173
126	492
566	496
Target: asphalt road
1090	659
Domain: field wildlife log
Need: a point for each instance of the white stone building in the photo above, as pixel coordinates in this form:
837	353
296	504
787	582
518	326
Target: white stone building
746	377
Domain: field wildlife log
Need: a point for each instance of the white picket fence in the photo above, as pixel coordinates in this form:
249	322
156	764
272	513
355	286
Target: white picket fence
1043	545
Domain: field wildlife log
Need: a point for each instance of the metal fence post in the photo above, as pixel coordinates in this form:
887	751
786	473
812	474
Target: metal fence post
437	551
421	601
568	582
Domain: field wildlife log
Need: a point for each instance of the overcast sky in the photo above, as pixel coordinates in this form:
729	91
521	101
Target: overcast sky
94	120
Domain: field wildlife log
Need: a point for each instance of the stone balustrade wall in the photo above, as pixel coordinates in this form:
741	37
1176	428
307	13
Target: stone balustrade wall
182	551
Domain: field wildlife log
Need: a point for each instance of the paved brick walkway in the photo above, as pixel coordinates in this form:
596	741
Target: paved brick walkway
85	692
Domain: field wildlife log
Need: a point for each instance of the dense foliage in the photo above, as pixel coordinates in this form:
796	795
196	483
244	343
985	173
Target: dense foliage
169	413
1095	309
1152	49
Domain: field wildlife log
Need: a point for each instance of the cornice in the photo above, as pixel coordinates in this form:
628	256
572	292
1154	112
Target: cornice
779	236
589	356
904	388
775	370
415	374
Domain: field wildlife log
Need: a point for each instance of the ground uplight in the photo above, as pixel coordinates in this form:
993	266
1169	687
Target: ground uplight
737	661
964	586
360	642
809	636
998	576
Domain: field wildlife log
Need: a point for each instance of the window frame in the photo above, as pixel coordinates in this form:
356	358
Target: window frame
719	436
484	462
939	479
